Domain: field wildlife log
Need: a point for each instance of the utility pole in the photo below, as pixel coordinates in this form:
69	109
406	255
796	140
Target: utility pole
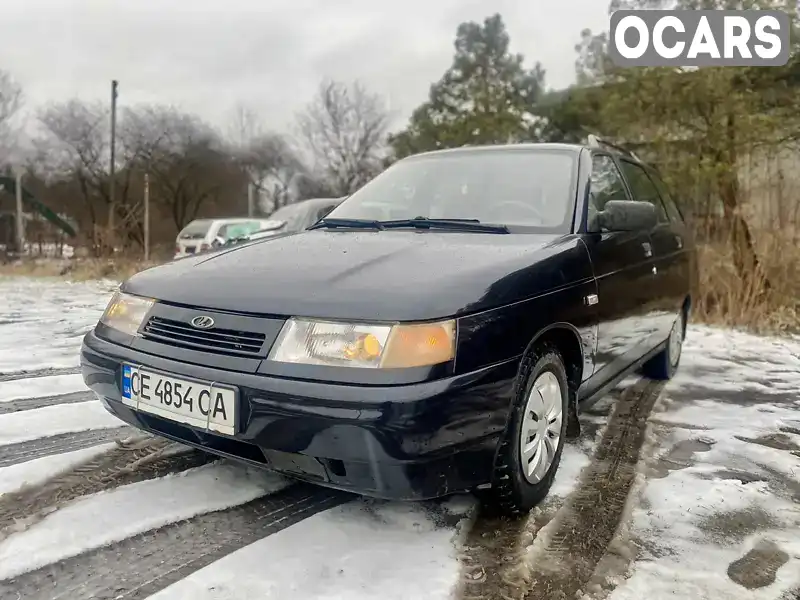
20	219
249	199
146	217
112	166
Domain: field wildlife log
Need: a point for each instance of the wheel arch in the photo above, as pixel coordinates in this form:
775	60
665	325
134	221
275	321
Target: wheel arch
566	338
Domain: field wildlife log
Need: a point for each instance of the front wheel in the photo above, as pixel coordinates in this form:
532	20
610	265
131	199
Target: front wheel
530	450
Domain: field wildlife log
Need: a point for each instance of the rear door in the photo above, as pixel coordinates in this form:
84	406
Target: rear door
622	263
669	252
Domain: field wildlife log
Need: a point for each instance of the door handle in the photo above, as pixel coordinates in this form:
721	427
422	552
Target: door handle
648	250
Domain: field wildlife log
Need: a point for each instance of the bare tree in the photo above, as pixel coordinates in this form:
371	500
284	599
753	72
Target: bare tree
188	164
76	148
272	167
344	129
10	103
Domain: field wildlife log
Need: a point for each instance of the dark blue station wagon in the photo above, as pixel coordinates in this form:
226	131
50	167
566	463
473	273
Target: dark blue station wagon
439	331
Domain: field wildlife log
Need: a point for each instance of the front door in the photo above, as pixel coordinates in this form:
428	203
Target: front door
669	239
623	266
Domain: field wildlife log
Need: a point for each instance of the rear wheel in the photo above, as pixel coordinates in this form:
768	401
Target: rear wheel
664	365
530	450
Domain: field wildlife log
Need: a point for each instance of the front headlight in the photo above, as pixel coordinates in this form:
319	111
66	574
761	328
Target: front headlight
367	346
125	313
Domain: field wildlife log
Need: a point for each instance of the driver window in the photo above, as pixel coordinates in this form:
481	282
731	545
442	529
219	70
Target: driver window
605	184
643	188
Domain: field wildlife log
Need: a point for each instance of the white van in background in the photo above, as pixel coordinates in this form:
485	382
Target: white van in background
202	235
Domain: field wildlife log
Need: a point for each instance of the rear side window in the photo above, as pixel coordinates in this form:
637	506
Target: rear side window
643	188
673	211
196	230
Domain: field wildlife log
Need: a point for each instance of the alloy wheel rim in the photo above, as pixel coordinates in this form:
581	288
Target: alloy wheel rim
676	341
541	427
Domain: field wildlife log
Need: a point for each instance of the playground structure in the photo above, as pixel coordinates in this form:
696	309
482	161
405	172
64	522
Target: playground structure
45	232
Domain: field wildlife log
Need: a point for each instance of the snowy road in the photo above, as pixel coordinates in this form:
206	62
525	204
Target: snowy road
690	490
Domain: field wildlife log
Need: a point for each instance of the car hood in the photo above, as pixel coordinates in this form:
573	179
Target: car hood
369	275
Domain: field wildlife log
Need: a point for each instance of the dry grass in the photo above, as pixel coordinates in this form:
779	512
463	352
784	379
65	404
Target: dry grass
77	269
730	300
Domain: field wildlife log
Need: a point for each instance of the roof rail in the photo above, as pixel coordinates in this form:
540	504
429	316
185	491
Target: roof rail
597	142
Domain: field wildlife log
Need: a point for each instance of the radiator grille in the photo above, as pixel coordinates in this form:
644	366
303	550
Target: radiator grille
218	341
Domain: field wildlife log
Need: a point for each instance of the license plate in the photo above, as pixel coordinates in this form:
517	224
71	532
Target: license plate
209	406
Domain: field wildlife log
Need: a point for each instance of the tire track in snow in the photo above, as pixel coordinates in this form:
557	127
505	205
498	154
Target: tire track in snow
14	375
143	459
146	563
494	557
12	454
590	518
20	404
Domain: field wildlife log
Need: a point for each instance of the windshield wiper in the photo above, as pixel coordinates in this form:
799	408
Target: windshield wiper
352	223
454	224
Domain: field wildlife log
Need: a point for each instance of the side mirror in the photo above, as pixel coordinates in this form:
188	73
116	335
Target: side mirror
218	241
627	215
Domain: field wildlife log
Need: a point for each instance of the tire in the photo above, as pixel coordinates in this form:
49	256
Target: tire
513	493
665	364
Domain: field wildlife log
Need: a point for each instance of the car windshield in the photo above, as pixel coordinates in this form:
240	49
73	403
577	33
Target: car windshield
293	214
195	230
521	188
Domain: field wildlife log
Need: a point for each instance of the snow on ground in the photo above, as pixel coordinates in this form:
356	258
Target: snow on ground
720	513
359	551
41	387
42	321
39	470
52	420
127	510
720	505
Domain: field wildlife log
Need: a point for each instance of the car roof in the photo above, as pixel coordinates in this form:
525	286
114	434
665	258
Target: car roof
593	144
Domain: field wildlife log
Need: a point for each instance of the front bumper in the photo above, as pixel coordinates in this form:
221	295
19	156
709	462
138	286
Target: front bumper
404	442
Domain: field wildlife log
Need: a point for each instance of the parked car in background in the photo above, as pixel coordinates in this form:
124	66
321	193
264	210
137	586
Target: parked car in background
448	349
289	219
202	235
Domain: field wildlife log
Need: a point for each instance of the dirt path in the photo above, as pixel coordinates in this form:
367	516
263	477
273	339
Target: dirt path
144	564
12	454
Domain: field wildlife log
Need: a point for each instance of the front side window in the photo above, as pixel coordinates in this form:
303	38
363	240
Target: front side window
526	190
643	188
605	184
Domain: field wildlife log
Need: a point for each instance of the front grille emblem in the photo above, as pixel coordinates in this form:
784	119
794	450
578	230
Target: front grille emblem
202	322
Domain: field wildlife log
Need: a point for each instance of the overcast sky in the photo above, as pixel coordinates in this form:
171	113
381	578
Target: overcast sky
208	55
